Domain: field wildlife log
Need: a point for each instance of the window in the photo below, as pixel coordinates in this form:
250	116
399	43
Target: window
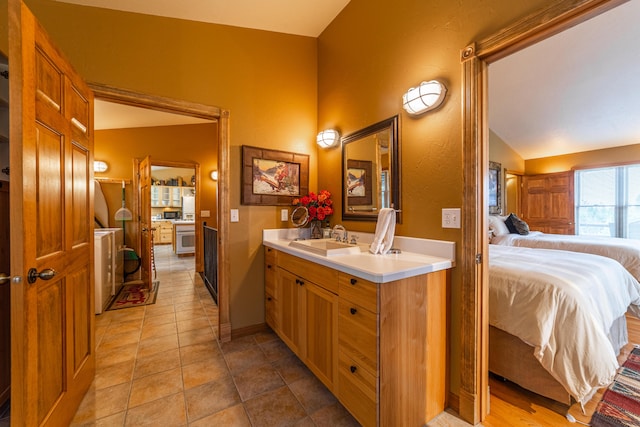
608	201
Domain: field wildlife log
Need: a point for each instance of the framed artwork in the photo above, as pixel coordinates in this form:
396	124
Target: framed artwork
273	177
495	188
358	182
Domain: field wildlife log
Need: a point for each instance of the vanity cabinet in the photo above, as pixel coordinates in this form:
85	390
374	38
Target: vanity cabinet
379	347
270	288
308	314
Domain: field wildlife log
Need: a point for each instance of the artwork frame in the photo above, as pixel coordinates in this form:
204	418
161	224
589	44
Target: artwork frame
495	188
360	170
292	181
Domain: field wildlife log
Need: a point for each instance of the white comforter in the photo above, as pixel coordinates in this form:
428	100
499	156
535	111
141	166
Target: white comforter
625	251
562	303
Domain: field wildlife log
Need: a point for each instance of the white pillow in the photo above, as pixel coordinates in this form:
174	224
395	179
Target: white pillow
497	225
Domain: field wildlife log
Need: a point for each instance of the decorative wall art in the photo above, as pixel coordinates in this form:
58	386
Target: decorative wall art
359	180
272	177
495	188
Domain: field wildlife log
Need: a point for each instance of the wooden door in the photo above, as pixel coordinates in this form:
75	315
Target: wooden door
5	296
145	227
51	144
321	339
548	202
288	316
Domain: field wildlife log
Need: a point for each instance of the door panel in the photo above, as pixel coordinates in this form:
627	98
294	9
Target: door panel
145	220
547	202
52	328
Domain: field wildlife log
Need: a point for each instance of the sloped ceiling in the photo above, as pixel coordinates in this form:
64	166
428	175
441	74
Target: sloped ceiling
576	91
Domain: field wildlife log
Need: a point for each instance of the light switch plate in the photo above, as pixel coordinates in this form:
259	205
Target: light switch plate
451	218
205	214
235	216
284	214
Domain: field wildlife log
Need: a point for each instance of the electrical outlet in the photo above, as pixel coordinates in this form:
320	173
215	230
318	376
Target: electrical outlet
451	218
235	216
284	215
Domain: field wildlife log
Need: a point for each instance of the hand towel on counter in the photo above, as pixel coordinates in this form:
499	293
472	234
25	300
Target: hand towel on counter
385	229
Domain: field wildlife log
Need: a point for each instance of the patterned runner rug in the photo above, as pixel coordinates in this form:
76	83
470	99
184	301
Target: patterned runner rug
620	404
134	295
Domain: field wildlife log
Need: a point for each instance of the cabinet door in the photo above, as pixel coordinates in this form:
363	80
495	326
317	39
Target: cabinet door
176	197
290	321
321	341
155	197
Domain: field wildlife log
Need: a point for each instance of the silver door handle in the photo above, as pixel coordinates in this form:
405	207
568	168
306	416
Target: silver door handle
46	274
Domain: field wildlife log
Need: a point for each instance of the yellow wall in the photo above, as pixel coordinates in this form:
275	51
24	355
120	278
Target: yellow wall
268	82
604	157
502	153
184	143
368	57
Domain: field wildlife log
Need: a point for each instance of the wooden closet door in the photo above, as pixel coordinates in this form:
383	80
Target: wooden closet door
548	202
51	144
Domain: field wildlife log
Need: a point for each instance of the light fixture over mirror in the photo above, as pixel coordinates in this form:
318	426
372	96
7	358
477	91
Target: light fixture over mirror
427	96
328	138
371	171
100	166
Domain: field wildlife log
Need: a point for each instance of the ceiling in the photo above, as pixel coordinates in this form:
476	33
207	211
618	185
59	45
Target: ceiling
301	17
576	91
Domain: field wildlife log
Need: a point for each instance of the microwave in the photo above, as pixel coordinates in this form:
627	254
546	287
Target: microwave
171	214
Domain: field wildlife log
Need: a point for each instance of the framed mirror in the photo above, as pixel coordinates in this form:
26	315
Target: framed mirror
371	171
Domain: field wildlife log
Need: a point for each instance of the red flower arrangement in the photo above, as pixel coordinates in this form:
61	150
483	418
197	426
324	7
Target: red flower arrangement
318	205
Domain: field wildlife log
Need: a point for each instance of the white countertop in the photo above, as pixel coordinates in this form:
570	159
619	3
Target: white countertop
418	256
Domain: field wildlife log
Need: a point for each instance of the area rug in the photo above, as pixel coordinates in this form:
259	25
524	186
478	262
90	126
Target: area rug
620	404
134	295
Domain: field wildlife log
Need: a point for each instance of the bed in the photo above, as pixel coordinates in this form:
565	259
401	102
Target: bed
557	319
625	251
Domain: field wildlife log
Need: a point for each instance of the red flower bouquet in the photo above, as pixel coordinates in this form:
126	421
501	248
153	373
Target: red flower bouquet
318	205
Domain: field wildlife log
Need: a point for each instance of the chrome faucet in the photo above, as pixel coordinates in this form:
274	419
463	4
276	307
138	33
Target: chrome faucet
335	233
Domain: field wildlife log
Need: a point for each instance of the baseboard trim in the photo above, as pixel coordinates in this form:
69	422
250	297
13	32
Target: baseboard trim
454	402
249	330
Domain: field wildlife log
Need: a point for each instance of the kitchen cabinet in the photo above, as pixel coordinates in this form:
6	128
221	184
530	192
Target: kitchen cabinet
163	232
166	196
380	348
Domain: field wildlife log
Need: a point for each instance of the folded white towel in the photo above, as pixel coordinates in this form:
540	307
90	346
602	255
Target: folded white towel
385	229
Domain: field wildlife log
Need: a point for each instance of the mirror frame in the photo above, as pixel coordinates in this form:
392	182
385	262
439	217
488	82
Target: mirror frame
390	124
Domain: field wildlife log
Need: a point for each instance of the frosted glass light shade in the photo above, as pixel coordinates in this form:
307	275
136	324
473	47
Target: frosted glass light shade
427	96
100	166
328	138
214	175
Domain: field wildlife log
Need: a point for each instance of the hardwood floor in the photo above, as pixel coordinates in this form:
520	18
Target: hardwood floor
514	406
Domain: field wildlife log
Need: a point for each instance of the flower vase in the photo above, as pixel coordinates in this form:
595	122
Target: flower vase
316	229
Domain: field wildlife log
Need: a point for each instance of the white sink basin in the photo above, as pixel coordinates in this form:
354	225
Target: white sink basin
326	247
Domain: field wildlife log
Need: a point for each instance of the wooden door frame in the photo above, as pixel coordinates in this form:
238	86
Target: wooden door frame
169	105
475	58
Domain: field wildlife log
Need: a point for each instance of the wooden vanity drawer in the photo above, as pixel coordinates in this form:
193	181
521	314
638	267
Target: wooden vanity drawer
270	255
271	310
357	390
320	275
358	334
358	291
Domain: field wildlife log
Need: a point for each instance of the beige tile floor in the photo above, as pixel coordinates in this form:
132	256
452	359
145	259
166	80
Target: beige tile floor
161	365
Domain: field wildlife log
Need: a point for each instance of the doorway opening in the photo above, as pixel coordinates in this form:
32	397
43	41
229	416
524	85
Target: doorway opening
221	198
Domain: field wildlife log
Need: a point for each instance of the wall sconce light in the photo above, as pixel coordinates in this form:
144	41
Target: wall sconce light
100	166
328	138
214	175
427	96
